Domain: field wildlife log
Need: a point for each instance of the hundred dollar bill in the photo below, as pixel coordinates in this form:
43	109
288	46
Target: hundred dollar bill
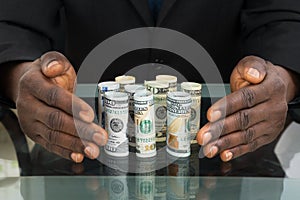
116	115
125	80
102	88
171	80
159	91
144	124
130	90
194	89
178	130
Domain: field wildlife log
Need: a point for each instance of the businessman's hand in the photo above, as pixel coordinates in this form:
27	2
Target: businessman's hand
253	115
48	111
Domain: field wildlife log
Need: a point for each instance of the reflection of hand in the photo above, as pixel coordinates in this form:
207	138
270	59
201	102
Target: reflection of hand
44	102
253	115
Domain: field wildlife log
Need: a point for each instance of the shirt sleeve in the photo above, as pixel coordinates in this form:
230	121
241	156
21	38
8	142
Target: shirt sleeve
271	30
28	28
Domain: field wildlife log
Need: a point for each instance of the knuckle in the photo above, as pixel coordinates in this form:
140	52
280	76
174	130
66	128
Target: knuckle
278	85
248	97
52	136
55	119
248	135
243	119
51	96
224	143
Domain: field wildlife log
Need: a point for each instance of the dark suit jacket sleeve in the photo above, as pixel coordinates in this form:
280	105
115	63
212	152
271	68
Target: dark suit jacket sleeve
28	28
271	30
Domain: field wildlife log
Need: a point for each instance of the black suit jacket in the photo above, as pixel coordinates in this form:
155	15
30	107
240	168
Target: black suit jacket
227	29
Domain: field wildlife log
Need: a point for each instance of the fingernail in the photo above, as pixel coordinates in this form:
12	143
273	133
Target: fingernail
52	63
228	155
213	151
206	138
253	72
86	115
76	157
89	152
99	138
214	116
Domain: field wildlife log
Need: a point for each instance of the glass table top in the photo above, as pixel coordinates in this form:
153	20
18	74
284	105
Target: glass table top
148	187
27	171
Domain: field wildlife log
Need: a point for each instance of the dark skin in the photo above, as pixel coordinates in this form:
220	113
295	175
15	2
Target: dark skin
42	91
253	115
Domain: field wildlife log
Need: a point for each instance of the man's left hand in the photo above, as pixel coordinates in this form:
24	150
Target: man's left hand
253	115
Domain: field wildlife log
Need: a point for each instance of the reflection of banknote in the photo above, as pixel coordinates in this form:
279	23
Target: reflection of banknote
116	110
145	186
194	89
178	181
144	124
178	131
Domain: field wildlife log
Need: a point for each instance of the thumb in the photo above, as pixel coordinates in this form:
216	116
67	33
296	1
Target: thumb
56	66
250	70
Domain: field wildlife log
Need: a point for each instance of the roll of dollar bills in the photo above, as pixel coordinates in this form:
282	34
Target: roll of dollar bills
194	89
125	80
171	80
178	130
159	91
144	124
116	118
102	88
130	90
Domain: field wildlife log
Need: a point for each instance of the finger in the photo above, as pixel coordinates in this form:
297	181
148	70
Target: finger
240	120
54	64
62	152
235	139
74	144
61	139
57	120
250	70
240	150
92	151
242	99
55	96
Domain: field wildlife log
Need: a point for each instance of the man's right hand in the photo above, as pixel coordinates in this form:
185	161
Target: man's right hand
48	111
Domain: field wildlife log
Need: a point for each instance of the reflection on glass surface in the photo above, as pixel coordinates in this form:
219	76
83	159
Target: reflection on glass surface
10	188
142	187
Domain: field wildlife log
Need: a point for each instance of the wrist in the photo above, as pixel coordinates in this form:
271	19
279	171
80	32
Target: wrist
292	82
11	74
